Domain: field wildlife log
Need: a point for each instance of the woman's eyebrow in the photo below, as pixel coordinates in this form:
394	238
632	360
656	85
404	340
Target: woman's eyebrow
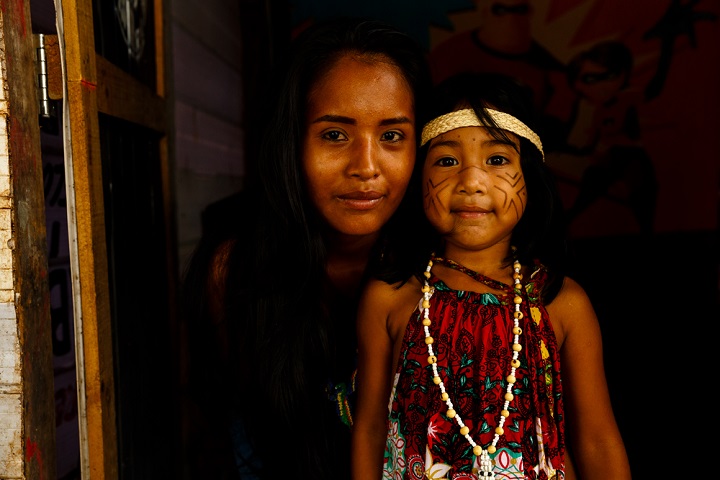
335	119
395	120
352	121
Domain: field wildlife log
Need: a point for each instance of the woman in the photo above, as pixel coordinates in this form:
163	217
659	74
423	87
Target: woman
273	316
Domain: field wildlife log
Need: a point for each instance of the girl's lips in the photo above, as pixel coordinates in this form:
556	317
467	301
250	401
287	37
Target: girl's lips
470	212
361	200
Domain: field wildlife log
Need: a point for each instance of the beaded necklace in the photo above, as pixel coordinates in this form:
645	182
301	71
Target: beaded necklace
485	471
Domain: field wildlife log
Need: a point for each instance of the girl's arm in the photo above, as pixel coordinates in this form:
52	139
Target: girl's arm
598	451
373	381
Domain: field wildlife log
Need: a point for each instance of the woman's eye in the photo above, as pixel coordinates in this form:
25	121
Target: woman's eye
334	136
392	136
446	162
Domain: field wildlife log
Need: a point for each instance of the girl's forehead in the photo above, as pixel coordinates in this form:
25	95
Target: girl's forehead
468	118
464	134
468	135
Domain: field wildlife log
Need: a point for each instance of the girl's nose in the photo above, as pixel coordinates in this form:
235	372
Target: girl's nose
364	161
473	180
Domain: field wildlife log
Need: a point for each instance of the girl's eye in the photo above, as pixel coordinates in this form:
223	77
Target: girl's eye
497	160
446	162
392	136
334	136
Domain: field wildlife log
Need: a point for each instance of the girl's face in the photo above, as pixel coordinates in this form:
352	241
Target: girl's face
473	188
359	144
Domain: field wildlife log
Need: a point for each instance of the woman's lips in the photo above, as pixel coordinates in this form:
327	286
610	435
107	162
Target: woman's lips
361	200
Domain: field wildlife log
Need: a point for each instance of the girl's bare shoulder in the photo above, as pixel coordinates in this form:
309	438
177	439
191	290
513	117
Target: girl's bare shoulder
387	308
571	298
571	310
392	295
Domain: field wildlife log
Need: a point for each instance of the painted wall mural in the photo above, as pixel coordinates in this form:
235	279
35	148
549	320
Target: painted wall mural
628	92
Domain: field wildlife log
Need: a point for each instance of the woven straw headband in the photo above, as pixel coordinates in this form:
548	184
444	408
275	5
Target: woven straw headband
467	118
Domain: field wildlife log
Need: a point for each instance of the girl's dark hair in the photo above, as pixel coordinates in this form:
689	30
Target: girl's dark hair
284	345
540	233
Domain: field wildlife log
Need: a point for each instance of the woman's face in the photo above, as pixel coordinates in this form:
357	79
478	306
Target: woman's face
474	188
359	144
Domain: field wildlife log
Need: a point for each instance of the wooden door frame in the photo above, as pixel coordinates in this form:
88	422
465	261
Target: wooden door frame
93	85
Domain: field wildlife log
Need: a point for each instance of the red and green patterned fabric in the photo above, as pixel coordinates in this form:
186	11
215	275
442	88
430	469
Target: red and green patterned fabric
473	340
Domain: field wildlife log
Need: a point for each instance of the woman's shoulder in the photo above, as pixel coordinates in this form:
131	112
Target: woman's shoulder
220	256
218	276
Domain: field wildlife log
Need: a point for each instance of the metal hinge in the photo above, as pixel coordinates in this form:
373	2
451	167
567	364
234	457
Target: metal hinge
49	73
44	95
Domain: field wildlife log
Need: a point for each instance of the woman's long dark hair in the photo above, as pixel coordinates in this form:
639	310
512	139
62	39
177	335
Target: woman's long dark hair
283	343
541	232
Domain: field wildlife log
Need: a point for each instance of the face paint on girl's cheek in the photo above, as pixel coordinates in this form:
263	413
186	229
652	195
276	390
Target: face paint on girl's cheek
515	191
431	198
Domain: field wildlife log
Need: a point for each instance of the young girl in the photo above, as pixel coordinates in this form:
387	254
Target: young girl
469	346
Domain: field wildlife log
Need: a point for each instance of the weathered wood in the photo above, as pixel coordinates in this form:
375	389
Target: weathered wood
25	241
93	313
160	36
120	95
168	184
54	65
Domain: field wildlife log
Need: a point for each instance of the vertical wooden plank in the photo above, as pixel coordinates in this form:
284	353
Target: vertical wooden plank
11	458
162	38
25	274
160	35
93	312
168	183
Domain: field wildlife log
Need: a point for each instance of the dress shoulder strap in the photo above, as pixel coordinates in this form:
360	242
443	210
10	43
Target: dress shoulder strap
479	277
